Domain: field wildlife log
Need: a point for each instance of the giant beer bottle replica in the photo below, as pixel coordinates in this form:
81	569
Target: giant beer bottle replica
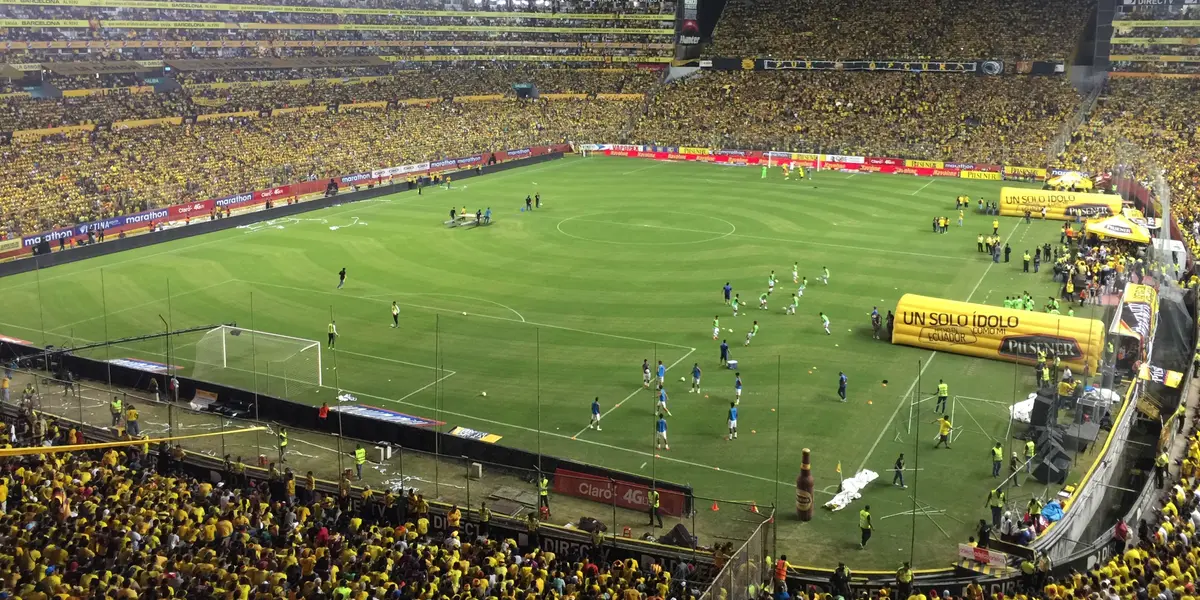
804	490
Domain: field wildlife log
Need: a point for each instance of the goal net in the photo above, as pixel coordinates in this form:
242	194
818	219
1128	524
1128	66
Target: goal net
264	362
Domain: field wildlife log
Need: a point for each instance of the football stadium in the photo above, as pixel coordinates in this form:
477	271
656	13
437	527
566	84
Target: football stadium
565	299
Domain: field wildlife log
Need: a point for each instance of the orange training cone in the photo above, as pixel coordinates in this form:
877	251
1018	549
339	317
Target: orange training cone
715	507
754	508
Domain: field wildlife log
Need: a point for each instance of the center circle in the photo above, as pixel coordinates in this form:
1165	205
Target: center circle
626	227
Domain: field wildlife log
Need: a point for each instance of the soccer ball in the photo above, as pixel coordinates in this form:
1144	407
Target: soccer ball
681	379
464	313
484	394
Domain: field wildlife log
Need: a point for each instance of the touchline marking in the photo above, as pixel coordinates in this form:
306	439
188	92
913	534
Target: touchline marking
484	300
635	392
446	310
773	239
899	405
142	305
923	187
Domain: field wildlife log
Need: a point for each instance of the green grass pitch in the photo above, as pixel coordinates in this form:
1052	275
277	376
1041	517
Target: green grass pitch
625	262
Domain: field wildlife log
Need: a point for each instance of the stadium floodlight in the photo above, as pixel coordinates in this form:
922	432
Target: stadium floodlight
236	356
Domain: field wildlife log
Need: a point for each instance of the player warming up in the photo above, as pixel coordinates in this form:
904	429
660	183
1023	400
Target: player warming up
762	301
662	401
732	422
825	275
660	433
795	272
395	314
803	284
695	378
645	373
595	423
825	323
727	291
771	282
662	374
716	326
737	388
750	334
791	310
341	278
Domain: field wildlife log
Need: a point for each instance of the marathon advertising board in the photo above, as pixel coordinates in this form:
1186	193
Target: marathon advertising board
191	209
885	162
994	332
30	241
518	153
234	200
973	167
614	491
355	179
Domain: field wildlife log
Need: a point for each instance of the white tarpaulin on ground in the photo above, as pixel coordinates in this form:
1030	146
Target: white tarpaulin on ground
851	489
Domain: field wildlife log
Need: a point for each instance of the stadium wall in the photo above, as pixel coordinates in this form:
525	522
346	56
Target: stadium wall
176	222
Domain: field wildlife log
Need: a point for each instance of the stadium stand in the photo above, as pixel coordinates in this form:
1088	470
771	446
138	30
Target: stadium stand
963	118
1156	117
1156	38
129	523
858	29
81	176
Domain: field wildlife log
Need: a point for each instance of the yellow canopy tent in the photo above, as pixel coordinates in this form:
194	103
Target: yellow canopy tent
1071	179
1118	227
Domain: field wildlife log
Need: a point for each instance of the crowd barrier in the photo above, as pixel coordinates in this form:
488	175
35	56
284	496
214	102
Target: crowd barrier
183	214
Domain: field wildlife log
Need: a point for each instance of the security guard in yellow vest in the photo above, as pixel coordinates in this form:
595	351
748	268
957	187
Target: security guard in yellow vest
997	459
1196	365
360	459
1030	452
115	408
333	333
864	524
1160	469
1045	377
543	492
1034	508
485	519
283	442
995	501
943	394
904	579
652	503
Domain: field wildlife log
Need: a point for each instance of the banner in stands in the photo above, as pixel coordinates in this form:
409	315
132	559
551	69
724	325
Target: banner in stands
1166	377
401	170
771	64
36	23
286	8
1139	305
110	24
10	245
989	175
614	491
925	164
999	333
1179	41
851	160
694	150
1154	58
1064	206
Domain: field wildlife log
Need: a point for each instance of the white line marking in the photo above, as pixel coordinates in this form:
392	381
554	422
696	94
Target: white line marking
923	187
437	309
773	239
639	170
582	219
904	398
852	176
142	305
484	300
391	360
635	392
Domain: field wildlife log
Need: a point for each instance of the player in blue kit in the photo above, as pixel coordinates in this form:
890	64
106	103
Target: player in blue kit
595	424
842	385
728	289
695	378
660	433
732	422
662	401
737	388
662	374
724	353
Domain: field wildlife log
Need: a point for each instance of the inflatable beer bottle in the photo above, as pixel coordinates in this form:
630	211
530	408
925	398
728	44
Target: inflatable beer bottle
804	490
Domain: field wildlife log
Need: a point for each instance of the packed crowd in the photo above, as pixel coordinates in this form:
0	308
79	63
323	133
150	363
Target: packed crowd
129	523
76	177
20	112
1007	120
1142	127
857	29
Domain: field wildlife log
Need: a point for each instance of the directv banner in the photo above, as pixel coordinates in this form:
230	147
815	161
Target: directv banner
1160	3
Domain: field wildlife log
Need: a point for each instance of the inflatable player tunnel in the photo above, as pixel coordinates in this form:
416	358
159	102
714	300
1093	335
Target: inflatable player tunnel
995	332
1064	206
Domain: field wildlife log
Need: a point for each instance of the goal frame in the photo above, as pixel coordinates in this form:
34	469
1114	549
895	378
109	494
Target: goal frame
307	344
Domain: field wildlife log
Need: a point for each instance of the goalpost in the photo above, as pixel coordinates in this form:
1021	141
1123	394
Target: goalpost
235	355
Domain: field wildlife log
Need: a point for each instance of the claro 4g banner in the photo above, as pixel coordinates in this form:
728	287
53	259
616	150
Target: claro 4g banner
995	332
1064	206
